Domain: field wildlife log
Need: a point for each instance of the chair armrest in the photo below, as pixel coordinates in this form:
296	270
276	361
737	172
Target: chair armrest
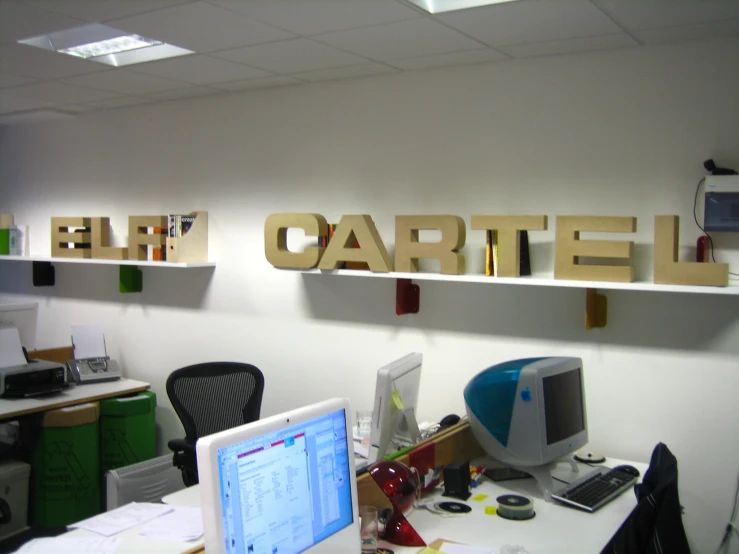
181	445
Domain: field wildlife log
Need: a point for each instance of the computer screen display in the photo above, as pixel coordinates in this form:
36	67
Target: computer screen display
285	491
563	406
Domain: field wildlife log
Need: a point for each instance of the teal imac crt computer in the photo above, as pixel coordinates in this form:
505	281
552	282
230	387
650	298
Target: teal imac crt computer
530	414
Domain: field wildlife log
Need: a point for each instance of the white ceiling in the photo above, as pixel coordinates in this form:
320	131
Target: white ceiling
244	44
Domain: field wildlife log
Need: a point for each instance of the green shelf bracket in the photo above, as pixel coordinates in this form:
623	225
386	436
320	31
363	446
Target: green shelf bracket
130	278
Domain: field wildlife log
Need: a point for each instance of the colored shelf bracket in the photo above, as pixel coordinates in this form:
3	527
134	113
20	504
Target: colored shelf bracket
130	279
44	274
596	309
407	297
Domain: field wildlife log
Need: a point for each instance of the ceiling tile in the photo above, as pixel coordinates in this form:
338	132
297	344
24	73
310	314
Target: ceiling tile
61	93
321	16
7	80
621	40
404	39
199	70
184	93
531	21
657	14
123	81
291	56
21	20
10	103
457	58
102	10
29	61
261	82
351	72
121	102
689	32
200	27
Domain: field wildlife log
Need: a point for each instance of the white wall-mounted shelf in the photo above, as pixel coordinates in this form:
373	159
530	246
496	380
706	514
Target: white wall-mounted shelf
96	261
407	295
130	278
732	289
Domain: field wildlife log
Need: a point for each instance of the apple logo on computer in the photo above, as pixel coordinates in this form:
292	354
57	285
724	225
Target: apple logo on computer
526	395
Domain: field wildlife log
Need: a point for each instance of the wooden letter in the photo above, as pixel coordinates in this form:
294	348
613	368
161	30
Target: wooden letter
100	239
62	234
408	250
371	249
275	240
668	271
139	238
509	229
569	247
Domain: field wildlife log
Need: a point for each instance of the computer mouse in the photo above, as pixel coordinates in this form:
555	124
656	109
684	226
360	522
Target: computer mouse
448	421
631	470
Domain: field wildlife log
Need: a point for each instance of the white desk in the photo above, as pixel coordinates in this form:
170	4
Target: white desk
554	529
132	542
11	408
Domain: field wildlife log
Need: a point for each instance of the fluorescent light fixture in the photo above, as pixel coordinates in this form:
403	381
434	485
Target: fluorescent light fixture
440	6
107	45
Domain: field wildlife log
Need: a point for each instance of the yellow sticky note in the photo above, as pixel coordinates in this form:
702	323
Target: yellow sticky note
397	400
490	510
429	550
480	497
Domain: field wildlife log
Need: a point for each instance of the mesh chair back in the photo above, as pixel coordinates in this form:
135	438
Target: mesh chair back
215	396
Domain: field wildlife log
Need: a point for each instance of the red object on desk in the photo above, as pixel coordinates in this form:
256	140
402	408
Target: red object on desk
398	482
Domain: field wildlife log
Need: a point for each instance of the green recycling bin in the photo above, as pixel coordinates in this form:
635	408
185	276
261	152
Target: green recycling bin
65	462
127	430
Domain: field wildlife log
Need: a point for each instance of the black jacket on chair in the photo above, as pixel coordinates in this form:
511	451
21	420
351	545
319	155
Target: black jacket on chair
655	526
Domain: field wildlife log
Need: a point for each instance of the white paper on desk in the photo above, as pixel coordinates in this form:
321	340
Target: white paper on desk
453	548
11	350
88	341
71	545
120	519
183	524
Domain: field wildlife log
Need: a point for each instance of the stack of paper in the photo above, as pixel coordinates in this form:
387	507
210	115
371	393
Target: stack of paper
120	519
183	524
11	351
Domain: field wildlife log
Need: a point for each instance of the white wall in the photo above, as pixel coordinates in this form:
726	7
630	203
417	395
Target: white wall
614	133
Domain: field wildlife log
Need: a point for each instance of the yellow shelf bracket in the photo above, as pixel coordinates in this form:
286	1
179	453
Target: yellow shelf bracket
596	309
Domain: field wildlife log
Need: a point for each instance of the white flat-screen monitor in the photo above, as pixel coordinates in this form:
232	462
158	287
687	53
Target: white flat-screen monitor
396	403
285	484
23	317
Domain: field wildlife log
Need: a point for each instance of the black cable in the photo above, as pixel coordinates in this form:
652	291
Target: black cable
730	526
695	217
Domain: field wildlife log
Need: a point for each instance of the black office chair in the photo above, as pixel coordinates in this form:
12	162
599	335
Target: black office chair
209	398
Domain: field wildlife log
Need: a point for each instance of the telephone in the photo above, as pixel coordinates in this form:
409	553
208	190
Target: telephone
92	370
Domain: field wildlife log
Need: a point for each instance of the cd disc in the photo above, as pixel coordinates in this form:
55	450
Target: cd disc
454	507
513	506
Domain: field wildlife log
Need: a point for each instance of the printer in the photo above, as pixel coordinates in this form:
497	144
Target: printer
32	378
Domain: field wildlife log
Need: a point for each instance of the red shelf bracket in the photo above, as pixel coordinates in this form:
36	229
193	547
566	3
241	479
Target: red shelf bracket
407	297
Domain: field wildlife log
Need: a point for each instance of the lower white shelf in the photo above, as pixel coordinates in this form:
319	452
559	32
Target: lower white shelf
732	289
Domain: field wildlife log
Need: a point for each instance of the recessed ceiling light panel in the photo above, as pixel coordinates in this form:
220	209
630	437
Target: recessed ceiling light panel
107	45
440	6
